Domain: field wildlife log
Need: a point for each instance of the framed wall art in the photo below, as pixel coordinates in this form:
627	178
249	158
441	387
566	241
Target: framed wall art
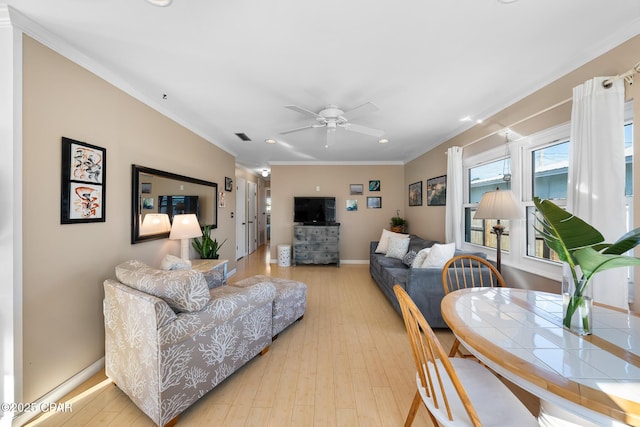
228	184
83	194
437	191
415	194
356	189
374	202
352	205
374	185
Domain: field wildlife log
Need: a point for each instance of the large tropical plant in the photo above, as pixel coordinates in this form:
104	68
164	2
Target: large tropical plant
583	248
207	247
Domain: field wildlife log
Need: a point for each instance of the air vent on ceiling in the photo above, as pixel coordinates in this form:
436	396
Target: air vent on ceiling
243	136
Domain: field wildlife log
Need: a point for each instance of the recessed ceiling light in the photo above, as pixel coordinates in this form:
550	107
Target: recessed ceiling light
383	141
161	3
466	119
270	141
265	173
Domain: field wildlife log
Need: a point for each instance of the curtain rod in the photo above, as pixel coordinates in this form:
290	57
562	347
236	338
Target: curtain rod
556	105
627	75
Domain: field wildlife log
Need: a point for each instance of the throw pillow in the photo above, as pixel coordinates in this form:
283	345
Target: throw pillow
172	262
409	257
439	255
420	257
397	247
183	290
383	243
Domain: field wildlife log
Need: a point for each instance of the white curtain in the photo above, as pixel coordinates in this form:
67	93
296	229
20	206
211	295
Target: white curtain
597	174
453	218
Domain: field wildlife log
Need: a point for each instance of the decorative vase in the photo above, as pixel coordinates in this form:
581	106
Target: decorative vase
577	305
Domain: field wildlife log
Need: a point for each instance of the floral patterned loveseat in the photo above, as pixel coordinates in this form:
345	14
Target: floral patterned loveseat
169	339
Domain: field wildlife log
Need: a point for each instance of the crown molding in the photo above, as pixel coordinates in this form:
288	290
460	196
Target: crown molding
62	47
336	163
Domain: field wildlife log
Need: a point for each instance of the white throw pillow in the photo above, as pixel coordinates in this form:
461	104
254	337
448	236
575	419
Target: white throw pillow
383	243
397	247
172	262
420	257
439	255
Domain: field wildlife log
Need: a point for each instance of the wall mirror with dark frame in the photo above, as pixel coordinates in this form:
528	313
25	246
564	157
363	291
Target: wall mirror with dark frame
158	192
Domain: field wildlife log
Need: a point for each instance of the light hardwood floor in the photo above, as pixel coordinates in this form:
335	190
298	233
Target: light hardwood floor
346	363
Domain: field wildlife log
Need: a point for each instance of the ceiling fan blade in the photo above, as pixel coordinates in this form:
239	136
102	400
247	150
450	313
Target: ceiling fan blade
304	111
363	129
284	132
366	108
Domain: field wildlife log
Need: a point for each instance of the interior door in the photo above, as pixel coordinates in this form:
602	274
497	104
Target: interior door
252	215
241	218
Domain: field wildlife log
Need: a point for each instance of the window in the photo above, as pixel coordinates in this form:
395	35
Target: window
539	165
483	178
549	172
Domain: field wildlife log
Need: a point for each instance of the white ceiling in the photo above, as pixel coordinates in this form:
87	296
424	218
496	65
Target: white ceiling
231	66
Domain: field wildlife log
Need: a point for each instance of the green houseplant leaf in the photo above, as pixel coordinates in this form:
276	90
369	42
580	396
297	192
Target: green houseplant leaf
207	247
581	245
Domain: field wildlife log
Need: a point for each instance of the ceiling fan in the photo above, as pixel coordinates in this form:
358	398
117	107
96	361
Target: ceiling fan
333	118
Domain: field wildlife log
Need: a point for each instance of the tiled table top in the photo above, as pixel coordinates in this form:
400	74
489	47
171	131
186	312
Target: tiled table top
520	333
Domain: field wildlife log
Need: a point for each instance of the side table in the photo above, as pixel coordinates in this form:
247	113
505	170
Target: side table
211	265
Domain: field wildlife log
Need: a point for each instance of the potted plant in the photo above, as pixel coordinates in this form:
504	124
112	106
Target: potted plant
581	247
207	247
398	223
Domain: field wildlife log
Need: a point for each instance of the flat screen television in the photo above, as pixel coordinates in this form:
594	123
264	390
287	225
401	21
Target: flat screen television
314	210
177	205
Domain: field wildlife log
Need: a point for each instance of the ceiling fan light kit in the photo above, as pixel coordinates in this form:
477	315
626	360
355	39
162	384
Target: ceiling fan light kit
332	117
160	3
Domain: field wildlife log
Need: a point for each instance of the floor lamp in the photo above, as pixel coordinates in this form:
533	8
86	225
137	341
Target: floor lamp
498	205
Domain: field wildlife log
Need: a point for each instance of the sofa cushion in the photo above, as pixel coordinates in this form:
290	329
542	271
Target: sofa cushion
439	255
408	258
397	247
383	243
172	262
183	290
420	257
417	243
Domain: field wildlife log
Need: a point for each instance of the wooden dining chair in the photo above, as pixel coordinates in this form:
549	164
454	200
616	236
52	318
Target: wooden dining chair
455	391
468	271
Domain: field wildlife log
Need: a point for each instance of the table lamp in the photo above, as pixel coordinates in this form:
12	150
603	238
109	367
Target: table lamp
185	227
498	205
155	223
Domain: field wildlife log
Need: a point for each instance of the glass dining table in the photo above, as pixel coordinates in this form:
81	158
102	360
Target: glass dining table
589	380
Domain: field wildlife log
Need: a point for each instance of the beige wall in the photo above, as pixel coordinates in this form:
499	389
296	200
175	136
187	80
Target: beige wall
65	265
357	228
523	118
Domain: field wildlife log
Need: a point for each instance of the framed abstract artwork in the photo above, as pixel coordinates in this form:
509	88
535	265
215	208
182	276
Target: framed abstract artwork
374	185
415	194
228	184
437	191
356	189
374	202
83	181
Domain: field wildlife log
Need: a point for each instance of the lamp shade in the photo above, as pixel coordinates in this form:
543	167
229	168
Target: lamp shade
498	205
155	223
184	227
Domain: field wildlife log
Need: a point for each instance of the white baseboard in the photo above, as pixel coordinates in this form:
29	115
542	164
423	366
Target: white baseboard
59	392
342	261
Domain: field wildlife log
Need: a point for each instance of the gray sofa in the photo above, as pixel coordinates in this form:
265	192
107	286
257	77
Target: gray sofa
424	285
